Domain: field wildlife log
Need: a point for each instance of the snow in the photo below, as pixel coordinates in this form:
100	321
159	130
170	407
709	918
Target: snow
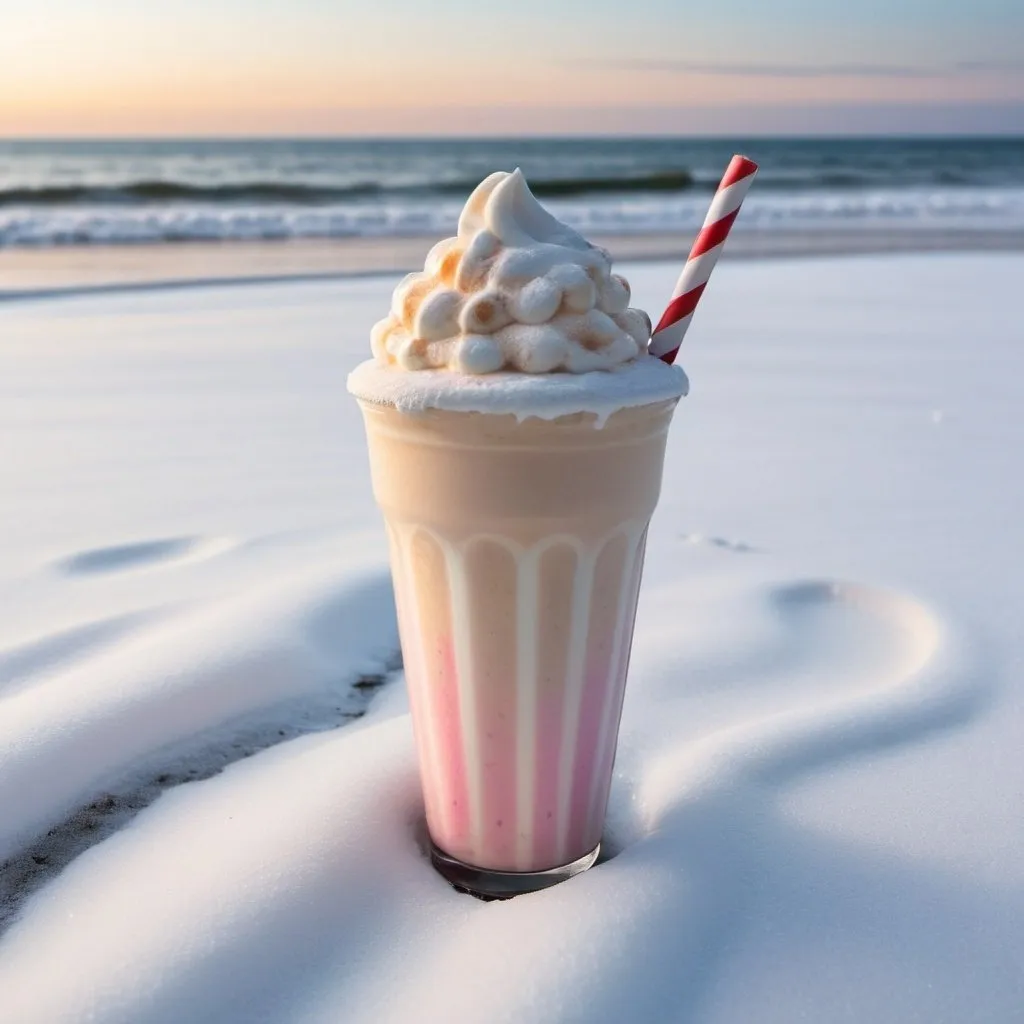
816	807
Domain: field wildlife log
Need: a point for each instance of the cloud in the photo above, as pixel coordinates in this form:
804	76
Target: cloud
755	70
774	70
990	65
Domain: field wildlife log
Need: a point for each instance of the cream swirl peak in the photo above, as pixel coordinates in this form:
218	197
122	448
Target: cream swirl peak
515	290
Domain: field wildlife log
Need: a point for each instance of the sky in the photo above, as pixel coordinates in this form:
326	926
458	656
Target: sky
468	67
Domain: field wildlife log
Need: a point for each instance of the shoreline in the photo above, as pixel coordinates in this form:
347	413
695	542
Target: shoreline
67	270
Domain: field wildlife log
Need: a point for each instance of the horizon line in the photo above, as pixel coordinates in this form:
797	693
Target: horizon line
548	136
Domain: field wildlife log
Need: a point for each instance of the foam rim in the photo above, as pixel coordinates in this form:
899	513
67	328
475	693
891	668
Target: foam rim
544	396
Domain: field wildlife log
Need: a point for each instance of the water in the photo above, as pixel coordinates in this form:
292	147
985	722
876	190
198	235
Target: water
57	193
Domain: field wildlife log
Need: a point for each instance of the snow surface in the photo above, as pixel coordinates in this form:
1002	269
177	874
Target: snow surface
817	806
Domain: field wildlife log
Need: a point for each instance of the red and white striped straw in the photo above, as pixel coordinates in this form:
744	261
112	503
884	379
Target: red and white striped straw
668	335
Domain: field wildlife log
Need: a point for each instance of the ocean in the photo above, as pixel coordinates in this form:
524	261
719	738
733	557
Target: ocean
81	192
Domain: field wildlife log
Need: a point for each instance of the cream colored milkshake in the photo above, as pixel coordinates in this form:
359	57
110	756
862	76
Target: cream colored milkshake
517	431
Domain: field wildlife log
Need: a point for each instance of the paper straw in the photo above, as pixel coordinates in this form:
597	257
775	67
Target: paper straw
668	335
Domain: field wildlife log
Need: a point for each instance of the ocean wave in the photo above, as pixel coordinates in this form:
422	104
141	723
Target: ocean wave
170	191
640	213
316	194
313	194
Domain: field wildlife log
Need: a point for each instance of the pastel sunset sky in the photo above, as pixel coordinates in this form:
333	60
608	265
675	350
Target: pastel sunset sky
385	67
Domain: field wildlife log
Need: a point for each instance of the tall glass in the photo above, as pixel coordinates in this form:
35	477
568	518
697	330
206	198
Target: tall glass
516	552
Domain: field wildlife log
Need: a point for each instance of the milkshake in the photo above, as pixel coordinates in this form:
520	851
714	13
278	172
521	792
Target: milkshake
516	427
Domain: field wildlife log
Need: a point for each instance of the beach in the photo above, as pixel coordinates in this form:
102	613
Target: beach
212	811
69	269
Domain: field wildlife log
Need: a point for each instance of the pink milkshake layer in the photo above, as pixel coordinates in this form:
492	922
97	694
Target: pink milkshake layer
516	665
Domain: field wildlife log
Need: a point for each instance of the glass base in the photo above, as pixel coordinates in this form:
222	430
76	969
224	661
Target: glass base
503	885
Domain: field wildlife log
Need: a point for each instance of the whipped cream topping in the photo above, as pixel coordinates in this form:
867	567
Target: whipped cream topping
514	290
